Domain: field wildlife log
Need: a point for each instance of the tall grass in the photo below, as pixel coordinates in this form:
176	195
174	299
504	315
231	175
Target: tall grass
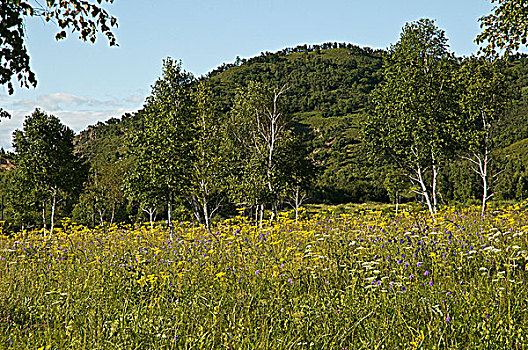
363	280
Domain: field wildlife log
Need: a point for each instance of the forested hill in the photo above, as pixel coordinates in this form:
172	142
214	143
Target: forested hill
327	97
328	94
326	80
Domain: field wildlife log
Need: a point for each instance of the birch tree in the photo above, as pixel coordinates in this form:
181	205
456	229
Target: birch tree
104	189
415	116
210	163
46	163
482	101
141	187
298	171
259	127
162	146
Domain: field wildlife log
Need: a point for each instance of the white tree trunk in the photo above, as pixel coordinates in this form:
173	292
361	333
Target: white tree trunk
481	163
44	223
53	205
113	214
424	192
101	217
297	203
261	215
484	177
151	211
206	216
169	216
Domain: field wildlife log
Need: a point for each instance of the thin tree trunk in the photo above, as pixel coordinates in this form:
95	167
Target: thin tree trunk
169	216
425	193
261	215
196	208
151	214
93	216
296	200
420	180
101	217
484	194
113	214
44	224
484	167
433	192
484	176
53	205
206	215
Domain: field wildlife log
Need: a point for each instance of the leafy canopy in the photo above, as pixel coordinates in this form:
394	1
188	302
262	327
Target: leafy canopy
82	16
506	28
163	143
414	110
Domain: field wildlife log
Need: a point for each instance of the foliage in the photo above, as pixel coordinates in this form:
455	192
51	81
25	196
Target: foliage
396	184
47	170
415	119
328	88
483	100
332	79
505	29
330	128
162	146
210	162
262	136
80	16
102	150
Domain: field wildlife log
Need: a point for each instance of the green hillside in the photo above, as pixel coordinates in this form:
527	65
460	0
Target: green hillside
328	80
518	150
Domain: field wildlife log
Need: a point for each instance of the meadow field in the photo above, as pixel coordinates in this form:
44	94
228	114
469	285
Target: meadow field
358	280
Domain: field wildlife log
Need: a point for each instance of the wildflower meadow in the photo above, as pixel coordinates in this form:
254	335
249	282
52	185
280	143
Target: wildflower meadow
360	280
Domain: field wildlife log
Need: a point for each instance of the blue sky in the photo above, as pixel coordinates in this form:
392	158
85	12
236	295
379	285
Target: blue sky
82	83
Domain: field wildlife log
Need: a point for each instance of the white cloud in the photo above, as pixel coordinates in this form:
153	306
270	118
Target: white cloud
75	111
77	120
54	101
136	99
64	101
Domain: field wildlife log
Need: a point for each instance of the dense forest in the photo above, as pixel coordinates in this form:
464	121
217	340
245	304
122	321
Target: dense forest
262	134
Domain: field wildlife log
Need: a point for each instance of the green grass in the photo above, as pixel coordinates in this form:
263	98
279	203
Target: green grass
363	279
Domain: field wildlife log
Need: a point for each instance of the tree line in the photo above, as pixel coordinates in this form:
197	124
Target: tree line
432	126
180	156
